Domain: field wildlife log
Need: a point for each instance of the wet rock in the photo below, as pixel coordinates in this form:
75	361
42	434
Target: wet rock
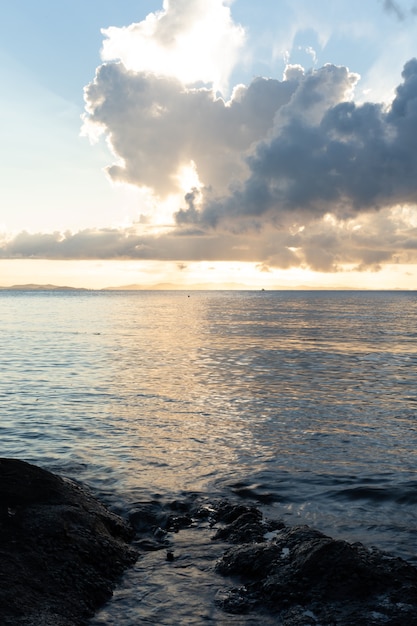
61	551
227	512
234	600
272	573
153	521
176	522
305	577
248	527
145	517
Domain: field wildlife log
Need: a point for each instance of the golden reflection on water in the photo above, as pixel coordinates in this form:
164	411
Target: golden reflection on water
177	420
200	386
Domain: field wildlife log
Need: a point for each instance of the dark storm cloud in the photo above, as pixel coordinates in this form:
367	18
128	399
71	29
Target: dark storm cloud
344	159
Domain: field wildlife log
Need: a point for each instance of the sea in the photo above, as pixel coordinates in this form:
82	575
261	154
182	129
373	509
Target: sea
303	403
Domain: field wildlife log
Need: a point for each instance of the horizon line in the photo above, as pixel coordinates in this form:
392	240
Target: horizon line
194	287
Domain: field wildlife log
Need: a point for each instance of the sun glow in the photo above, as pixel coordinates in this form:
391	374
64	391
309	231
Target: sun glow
193	42
188	179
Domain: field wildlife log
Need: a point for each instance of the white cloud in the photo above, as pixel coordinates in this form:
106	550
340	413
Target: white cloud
191	41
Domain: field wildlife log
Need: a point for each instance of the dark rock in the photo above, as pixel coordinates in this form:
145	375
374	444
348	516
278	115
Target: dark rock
153	521
61	551
306	577
247	528
145	517
234	600
228	512
170	556
176	522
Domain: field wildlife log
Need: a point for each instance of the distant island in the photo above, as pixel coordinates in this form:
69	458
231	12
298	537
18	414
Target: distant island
33	287
135	287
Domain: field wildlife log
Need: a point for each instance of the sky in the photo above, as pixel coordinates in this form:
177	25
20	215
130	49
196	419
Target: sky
209	143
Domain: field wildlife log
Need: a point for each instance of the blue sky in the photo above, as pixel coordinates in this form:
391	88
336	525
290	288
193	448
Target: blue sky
194	184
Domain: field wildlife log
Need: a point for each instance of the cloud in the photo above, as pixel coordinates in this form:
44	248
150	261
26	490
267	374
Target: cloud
283	173
297	147
326	154
156	126
86	244
327	245
191	41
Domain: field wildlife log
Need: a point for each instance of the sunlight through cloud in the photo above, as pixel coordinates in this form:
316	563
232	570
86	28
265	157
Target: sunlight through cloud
194	42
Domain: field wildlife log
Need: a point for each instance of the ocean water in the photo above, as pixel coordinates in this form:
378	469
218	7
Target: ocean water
302	402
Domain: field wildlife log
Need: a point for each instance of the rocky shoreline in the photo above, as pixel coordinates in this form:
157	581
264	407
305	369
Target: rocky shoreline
62	553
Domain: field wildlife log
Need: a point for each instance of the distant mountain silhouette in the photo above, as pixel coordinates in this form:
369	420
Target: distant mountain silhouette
34	287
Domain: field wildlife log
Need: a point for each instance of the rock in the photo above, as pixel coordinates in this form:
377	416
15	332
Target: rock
61	551
305	577
273	573
245	523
